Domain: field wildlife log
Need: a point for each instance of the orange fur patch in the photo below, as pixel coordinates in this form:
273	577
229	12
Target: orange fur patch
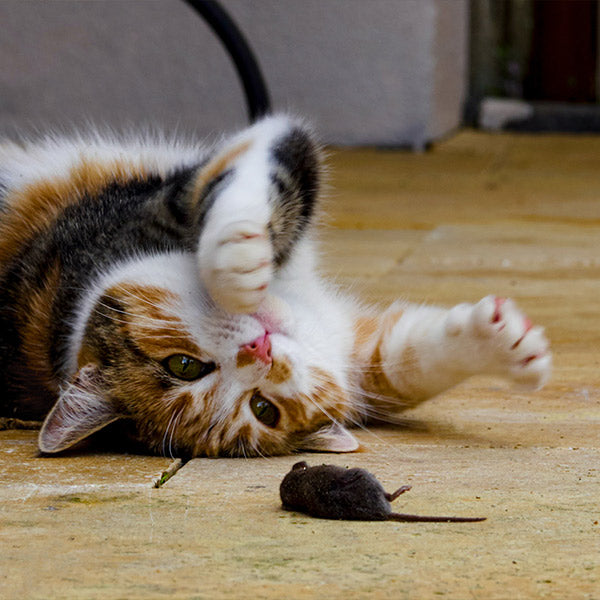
241	403
157	330
374	380
244	433
244	358
295	410
392	398
86	356
410	370
280	371
390	318
329	400
216	167
365	331
36	331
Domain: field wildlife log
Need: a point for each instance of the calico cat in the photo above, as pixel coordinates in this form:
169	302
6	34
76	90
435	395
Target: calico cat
175	287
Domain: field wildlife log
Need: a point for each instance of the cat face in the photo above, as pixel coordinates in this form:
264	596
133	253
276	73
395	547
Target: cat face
198	381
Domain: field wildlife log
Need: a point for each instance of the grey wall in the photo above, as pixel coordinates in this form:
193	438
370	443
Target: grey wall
364	71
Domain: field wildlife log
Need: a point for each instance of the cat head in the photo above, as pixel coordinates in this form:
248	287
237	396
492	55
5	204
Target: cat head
196	381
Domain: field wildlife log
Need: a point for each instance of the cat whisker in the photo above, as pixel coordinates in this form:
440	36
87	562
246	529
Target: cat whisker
356	422
167	430
395	403
241	448
175	426
146	322
114	309
148	325
143	299
256	450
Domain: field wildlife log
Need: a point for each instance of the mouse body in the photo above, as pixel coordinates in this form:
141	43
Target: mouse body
332	492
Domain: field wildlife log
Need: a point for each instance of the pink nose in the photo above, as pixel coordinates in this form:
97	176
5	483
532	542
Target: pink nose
260	348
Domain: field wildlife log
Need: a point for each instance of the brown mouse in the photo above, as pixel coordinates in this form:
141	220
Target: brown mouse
332	492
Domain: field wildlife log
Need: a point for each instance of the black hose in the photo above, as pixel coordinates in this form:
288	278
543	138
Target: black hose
257	97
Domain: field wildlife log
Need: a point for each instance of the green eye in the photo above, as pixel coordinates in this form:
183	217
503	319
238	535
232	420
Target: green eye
186	367
266	412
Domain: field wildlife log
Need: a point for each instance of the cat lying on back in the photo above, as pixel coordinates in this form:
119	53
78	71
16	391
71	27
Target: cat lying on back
174	286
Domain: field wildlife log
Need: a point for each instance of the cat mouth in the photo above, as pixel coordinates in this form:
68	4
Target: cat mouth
273	315
270	323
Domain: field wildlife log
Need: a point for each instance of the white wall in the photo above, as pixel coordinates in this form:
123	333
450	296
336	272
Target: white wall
389	72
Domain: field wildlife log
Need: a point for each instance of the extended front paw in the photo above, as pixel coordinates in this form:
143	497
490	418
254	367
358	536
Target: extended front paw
237	266
502	340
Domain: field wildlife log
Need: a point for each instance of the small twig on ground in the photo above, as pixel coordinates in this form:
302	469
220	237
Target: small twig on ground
166	475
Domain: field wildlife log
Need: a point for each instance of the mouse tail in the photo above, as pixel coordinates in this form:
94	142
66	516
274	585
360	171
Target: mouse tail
407	518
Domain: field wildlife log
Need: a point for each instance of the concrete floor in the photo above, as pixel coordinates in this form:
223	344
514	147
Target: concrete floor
512	215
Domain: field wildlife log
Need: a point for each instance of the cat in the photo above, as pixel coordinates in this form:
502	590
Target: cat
175	287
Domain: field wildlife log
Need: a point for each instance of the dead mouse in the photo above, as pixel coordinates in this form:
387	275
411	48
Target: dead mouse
331	492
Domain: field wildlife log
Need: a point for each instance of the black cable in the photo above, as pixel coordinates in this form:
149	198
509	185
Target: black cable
255	89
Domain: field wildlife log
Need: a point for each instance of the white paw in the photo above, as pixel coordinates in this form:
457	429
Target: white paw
501	340
237	266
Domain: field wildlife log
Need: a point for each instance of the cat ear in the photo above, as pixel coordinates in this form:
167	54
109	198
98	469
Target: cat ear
80	411
333	438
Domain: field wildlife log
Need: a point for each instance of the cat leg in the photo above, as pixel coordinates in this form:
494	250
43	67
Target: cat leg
261	191
422	351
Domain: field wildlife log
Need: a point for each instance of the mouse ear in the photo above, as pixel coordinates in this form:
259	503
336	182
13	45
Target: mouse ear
300	466
81	410
333	438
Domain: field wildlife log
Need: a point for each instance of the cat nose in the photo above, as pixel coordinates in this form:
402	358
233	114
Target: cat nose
259	349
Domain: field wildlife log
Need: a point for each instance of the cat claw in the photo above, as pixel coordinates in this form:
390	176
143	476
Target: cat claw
505	340
522	347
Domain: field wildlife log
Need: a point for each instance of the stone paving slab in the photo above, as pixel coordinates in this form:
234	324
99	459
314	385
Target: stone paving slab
511	215
216	529
25	471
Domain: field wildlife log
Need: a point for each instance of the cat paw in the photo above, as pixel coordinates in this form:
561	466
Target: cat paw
238	267
502	340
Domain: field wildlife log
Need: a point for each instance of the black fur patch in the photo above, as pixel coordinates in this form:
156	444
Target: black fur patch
299	155
295	179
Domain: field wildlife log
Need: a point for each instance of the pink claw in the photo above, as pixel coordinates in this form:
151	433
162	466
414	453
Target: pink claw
527	360
498	302
497	315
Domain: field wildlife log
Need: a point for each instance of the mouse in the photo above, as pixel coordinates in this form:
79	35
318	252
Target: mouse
332	492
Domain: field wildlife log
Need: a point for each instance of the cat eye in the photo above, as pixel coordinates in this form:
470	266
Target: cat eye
186	367
264	410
